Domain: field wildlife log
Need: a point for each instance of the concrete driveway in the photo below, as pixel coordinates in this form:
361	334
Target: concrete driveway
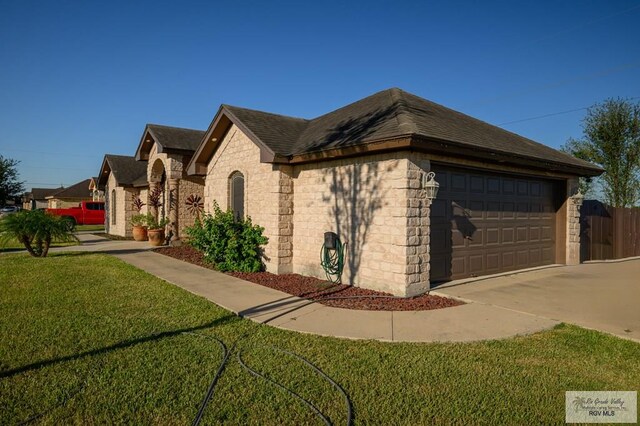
601	296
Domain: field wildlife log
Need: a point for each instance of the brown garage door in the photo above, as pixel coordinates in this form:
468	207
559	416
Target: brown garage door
485	223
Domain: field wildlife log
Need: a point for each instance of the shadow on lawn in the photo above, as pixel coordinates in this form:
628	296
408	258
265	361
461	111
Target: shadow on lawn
121	345
294	303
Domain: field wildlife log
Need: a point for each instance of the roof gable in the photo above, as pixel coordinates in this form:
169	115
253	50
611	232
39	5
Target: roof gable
126	170
79	190
168	139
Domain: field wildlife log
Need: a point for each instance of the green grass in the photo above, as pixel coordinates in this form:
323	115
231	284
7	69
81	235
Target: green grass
107	338
15	245
97	228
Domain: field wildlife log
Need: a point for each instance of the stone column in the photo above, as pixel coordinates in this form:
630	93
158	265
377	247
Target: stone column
573	230
285	220
418	209
574	202
173	212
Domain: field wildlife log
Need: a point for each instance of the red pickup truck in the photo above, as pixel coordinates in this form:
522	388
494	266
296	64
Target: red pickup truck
87	213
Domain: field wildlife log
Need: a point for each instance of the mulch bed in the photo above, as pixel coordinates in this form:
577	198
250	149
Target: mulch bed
321	291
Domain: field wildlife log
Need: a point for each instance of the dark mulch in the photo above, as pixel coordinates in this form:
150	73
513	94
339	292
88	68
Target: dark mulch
321	291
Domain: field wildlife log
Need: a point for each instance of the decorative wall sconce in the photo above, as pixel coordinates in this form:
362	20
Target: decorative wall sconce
430	185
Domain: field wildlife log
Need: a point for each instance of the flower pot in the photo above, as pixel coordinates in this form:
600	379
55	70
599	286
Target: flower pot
156	236
140	233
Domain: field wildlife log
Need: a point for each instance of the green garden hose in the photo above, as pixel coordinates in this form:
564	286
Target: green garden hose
332	261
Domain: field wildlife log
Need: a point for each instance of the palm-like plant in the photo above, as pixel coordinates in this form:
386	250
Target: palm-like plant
36	229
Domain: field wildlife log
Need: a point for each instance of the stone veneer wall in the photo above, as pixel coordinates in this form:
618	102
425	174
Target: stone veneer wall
374	204
187	186
124	208
262	188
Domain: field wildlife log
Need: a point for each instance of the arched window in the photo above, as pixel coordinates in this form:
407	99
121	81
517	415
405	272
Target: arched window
113	206
236	194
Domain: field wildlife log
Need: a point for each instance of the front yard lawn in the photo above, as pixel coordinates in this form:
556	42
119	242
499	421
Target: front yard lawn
97	228
87	338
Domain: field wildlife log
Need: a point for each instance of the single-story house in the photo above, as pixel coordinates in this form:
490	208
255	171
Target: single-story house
166	151
71	196
96	193
37	198
122	179
505	202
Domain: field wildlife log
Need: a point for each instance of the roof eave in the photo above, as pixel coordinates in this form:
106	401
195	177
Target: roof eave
144	147
214	135
105	169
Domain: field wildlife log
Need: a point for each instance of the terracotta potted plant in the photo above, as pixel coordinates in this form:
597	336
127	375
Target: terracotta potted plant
139	221
155	230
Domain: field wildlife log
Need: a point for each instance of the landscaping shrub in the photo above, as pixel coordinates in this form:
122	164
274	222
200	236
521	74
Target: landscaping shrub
36	229
229	243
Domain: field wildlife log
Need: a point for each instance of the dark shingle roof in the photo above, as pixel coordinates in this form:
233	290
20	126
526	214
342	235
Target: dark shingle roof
175	137
278	132
392	113
125	169
79	190
42	193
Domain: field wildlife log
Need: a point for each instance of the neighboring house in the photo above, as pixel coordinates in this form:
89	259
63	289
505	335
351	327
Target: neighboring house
505	202
37	198
122	179
96	193
167	151
70	197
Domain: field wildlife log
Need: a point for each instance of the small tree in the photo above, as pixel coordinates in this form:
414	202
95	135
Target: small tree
36	229
611	139
10	187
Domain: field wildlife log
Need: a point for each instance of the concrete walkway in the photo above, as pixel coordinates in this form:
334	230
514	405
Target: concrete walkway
470	322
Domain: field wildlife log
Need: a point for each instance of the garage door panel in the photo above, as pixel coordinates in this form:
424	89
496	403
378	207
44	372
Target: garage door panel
493	236
508	260
487	223
493	262
522	258
508	235
476	264
459	182
547	256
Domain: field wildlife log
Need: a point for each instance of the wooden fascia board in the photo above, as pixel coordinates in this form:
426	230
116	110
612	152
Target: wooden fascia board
456	149
208	147
198	164
142	153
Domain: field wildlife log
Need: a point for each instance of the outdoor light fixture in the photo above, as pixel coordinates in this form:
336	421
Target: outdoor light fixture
430	185
578	197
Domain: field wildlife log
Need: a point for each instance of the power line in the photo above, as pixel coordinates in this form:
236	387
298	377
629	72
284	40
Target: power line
537	117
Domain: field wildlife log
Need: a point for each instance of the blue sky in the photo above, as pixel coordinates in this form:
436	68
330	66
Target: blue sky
81	79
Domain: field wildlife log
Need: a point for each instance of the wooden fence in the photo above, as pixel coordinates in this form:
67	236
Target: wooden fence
608	232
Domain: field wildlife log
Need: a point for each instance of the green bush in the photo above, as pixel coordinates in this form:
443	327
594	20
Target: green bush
36	229
230	244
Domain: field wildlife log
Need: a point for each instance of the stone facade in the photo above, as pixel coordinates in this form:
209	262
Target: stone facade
364	201
178	186
123	210
264	188
375	203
